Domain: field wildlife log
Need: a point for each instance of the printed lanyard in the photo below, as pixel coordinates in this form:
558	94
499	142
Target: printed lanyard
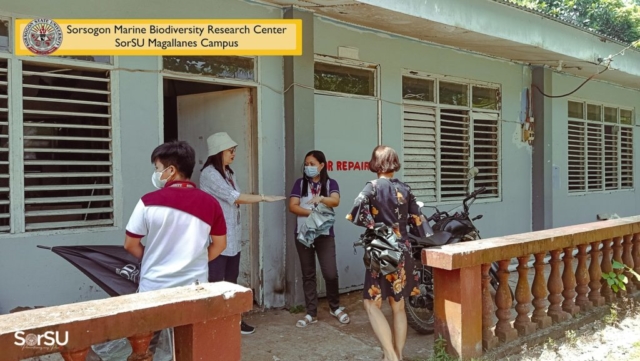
182	185
315	189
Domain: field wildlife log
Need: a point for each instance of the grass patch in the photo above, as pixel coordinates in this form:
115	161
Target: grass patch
296	309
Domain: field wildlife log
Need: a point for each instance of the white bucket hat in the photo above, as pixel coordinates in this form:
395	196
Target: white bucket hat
219	142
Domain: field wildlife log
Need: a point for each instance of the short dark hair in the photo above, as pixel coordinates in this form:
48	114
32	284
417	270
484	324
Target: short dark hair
178	154
384	160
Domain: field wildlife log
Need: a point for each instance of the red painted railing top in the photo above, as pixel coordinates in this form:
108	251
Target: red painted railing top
468	254
93	322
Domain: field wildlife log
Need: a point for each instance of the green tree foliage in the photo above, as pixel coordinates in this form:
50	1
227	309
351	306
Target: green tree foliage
619	19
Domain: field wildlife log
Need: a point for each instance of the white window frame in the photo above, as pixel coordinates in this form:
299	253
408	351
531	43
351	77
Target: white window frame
470	82
16	130
177	75
632	126
351	63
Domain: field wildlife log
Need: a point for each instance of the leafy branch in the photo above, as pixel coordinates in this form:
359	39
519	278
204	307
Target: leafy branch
618	281
619	19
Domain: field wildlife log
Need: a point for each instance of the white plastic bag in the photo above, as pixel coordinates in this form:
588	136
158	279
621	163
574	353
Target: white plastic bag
119	350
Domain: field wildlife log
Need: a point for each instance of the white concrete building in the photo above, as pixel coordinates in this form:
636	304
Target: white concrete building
444	82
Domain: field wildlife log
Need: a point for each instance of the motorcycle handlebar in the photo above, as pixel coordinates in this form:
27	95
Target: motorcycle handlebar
474	194
437	215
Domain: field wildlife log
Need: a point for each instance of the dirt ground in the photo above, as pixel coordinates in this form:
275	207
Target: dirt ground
278	339
614	338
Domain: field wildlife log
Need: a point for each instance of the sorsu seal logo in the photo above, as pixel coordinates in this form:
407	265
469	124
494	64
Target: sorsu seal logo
42	36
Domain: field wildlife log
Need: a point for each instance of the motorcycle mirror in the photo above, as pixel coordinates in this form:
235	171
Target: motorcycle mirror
477	217
473	172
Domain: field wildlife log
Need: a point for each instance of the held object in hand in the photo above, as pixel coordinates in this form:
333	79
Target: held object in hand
382	253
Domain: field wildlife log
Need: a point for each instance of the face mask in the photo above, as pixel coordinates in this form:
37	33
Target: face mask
157	182
311	171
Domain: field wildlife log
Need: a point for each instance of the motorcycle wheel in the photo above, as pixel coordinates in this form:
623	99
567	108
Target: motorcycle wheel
419	319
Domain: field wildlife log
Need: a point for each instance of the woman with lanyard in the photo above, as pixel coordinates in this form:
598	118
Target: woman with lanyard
316	187
217	178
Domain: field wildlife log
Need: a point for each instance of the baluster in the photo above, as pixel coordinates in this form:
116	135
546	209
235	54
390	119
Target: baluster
555	287
523	295
504	331
636	258
569	283
78	355
539	291
605	266
489	340
595	276
627	258
617	256
582	279
140	346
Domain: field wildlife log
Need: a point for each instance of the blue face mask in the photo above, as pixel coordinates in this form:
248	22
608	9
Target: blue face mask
311	171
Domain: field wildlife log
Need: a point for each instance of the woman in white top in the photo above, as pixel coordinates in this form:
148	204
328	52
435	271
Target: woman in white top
217	178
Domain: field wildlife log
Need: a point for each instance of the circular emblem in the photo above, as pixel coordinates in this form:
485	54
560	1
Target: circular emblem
42	36
31	340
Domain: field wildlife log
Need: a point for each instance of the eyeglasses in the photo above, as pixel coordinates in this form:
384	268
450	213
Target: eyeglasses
232	150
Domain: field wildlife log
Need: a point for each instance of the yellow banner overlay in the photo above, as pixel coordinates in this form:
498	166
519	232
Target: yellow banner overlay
158	37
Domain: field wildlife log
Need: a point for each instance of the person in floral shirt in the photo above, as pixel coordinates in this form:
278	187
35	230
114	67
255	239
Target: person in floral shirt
388	200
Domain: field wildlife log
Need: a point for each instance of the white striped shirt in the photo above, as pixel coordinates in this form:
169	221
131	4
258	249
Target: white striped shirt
212	182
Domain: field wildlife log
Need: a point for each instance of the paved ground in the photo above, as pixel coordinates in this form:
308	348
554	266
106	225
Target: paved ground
277	338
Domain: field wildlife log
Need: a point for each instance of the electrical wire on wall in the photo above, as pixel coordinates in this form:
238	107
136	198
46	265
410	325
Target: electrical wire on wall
576	89
609	59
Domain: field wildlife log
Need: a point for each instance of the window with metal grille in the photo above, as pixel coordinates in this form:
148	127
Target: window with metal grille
67	148
444	137
420	161
600	147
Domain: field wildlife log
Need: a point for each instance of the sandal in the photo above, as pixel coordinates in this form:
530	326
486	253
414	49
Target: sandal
307	320
340	315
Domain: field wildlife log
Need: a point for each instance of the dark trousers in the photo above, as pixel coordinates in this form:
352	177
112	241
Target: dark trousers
325	248
225	268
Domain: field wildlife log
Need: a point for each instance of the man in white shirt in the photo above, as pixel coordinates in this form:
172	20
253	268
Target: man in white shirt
184	226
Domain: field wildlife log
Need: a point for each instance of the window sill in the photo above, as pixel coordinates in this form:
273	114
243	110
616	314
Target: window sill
612	191
56	232
459	202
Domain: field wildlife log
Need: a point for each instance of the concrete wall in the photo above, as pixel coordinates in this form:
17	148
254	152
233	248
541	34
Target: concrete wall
30	276
574	209
394	54
35	277
346	127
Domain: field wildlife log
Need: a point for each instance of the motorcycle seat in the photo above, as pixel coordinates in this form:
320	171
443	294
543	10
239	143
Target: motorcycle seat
437	239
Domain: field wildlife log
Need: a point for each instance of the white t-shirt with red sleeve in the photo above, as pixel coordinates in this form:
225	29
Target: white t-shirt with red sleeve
177	222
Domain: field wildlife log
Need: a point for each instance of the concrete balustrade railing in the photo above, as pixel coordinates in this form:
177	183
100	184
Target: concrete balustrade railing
206	321
464	306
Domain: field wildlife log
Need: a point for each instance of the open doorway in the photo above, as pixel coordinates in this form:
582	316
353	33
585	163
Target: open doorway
195	110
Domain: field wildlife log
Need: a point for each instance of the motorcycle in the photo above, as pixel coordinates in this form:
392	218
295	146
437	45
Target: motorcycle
445	227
